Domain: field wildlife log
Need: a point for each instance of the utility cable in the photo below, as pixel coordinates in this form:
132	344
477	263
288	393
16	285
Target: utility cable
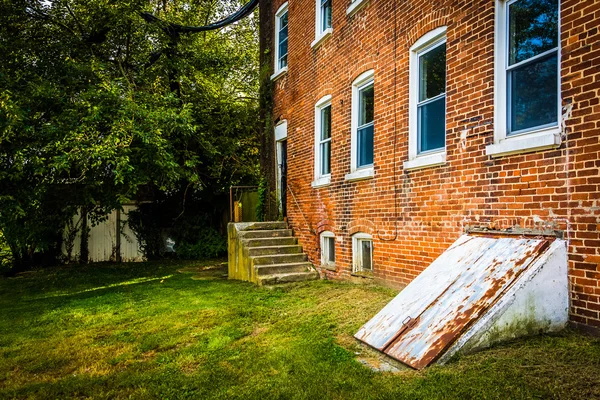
236	16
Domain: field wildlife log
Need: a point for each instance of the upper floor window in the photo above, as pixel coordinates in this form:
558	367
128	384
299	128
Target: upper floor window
531	66
527	81
281	39
363	128
323	27
324	15
427	103
322	141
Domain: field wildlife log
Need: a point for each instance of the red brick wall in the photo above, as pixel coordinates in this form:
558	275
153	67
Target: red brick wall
414	216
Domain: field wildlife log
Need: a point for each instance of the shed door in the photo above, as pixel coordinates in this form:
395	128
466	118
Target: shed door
435	308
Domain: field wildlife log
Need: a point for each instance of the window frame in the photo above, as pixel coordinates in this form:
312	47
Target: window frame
432	158
320	33
533	139
280	71
364	80
325	263
321	179
357	239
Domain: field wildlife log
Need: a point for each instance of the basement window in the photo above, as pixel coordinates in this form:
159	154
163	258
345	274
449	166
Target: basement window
527	78
328	250
427	101
322	142
281	41
362	253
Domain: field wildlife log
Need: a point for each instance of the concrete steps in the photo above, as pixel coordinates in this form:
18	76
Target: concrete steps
269	253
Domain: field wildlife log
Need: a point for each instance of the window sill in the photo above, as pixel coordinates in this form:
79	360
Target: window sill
319	40
548	139
328	267
355	6
425	161
360	174
279	73
321	182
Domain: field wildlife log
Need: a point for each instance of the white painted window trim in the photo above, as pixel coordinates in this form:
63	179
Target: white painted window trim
281	130
536	139
367	171
280	71
356	250
320	180
355	6
320	33
321	38
326	234
279	74
431	158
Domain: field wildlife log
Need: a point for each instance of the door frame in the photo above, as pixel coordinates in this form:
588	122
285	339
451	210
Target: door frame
280	137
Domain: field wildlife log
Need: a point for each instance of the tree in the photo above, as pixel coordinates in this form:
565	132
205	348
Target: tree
98	107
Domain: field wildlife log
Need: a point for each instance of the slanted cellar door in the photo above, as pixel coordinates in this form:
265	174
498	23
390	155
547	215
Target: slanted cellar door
419	324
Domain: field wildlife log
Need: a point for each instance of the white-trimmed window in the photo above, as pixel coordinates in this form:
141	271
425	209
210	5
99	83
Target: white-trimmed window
362	127
328	249
323	142
281	40
527	76
427	101
362	252
323	27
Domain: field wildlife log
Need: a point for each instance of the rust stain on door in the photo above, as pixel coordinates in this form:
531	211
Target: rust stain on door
432	312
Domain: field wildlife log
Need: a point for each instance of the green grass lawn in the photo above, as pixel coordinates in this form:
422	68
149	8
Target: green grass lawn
146	331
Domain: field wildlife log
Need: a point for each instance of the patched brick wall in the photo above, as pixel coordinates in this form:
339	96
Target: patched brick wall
414	216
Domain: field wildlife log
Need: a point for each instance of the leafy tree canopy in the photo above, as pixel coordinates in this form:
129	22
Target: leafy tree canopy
99	107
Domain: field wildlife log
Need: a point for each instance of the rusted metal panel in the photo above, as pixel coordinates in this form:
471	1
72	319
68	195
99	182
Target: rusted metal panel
432	312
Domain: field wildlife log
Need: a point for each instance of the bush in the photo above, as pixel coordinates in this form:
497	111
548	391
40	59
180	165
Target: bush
209	243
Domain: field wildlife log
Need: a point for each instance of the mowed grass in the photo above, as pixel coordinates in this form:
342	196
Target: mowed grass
146	331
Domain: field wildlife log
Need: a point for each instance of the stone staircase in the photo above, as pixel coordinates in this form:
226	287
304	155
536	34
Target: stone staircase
267	253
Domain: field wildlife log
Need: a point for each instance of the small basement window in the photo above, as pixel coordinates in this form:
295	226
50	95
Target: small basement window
362	253
328	250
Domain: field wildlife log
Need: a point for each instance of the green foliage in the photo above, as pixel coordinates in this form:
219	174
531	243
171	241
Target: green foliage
208	243
263	198
5	255
147	231
98	106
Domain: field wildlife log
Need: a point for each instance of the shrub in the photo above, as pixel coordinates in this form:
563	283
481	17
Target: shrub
209	243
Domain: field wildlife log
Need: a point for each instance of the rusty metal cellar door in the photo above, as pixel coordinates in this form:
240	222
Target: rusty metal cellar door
419	324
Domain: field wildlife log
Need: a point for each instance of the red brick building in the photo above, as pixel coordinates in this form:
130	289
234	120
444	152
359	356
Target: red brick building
402	123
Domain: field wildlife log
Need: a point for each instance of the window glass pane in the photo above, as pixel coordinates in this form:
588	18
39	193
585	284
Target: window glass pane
325	14
365	249
283	22
330	249
326	123
533	94
326	158
283	40
533	28
432	125
366	105
365	146
432	73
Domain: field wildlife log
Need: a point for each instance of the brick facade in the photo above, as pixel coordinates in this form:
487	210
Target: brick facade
414	216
